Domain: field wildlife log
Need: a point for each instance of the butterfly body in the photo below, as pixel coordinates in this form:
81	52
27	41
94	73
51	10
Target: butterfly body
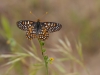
38	29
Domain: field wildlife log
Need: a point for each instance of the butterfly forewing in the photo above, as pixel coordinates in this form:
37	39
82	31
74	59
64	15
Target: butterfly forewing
52	26
24	24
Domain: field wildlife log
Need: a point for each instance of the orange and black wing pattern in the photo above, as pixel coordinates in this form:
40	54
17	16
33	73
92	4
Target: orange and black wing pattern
38	29
29	27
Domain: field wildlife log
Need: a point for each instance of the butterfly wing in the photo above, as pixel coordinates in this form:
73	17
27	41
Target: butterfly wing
43	34
29	27
24	24
52	26
48	27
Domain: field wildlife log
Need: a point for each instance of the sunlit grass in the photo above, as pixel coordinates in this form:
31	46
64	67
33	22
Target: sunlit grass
66	50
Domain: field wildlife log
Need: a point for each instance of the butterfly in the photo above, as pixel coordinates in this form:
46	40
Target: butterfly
38	29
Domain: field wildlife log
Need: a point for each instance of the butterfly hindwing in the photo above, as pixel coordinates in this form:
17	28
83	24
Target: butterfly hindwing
30	35
31	32
43	34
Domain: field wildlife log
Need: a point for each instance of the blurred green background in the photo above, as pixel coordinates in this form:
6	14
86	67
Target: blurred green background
80	21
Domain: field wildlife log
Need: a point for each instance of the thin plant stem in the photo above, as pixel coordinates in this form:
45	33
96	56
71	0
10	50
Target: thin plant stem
44	57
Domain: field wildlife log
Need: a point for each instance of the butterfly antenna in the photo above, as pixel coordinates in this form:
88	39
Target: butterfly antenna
33	14
43	15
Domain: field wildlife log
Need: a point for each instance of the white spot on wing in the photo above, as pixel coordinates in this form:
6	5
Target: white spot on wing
28	22
48	23
34	32
30	25
46	26
39	32
25	22
44	23
52	24
43	33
